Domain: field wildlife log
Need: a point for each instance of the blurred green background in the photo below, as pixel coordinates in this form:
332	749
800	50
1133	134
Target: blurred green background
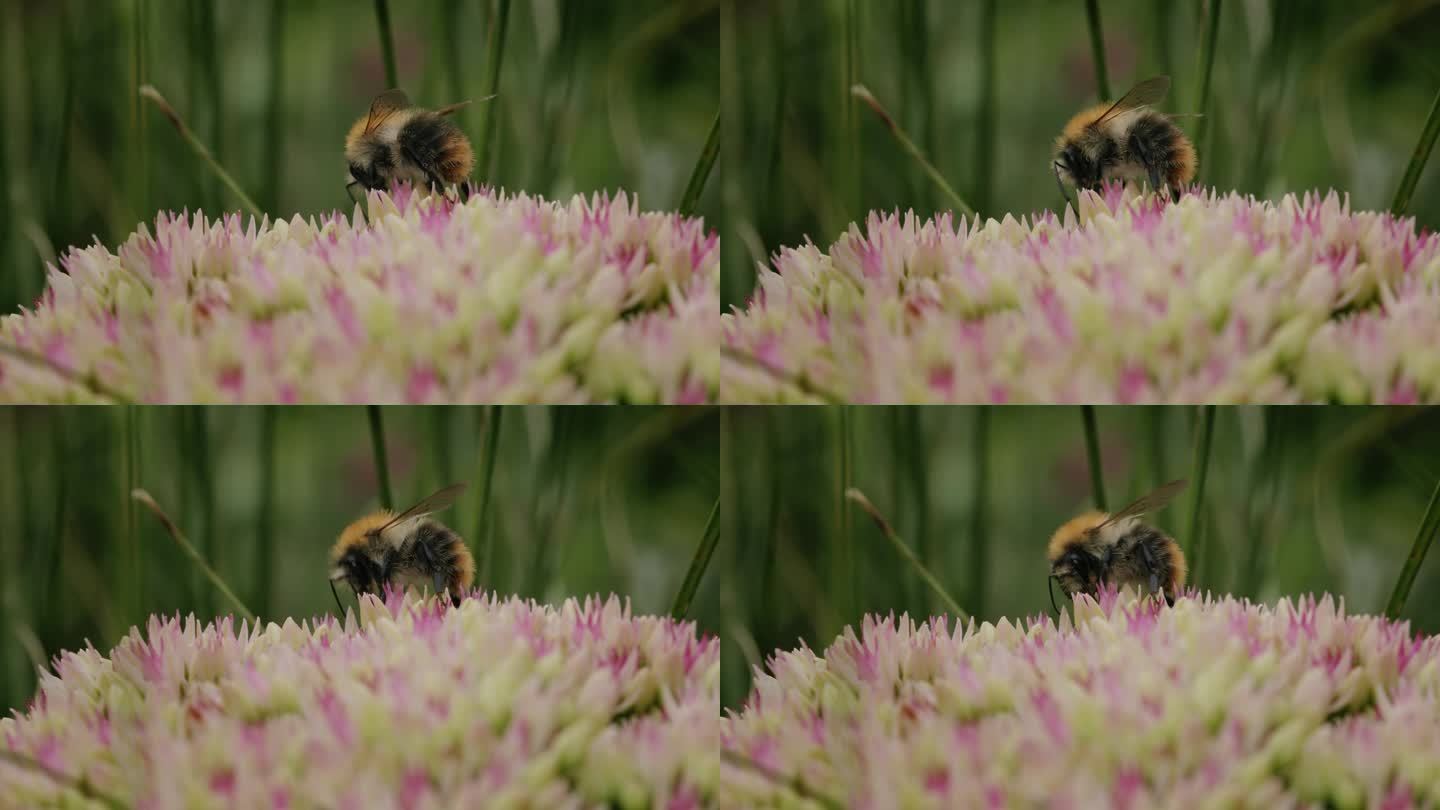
592	96
1297	500
1305	94
584	500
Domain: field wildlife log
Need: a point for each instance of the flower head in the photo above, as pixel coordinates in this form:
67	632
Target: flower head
414	705
493	298
1131	704
1214	298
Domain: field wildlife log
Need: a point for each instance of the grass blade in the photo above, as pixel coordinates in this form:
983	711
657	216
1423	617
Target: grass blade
844	582
387	43
1418	159
1205	65
139	79
853	174
702	169
133	572
205	484
864	503
985	140
1429	526
275	109
863	93
154	96
179	537
484	538
382	466
265	523
708	540
1200	467
979	538
1097	49
1092	452
495	47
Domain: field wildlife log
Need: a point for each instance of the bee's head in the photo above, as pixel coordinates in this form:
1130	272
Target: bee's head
1077	571
1078	167
1074	554
363	571
360	557
368	159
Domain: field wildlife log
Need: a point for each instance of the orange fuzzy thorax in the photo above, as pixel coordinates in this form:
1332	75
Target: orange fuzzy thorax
1075	127
1073	531
358	533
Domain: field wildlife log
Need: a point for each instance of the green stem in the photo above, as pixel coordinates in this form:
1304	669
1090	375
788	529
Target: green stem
275	112
484	142
484	537
387	43
1205	65
708	540
1200	468
205	483
179	537
844	579
140	73
985	142
265	524
851	66
1092	452
382	466
864	503
1097	49
133	571
189	137
979	494
1429	526
863	93
1418	159
702	169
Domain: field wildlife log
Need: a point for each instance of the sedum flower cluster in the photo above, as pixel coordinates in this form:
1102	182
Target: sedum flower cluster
494	298
499	703
1213	298
1211	703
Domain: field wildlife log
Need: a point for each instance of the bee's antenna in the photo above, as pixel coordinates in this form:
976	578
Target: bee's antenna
1066	197
337	598
1049	586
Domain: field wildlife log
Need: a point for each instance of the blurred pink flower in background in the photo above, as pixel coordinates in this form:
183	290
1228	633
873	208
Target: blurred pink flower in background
1211	703
496	703
494	299
1215	298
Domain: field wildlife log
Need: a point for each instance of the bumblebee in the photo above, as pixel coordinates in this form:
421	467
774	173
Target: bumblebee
399	141
1125	141
407	550
1096	549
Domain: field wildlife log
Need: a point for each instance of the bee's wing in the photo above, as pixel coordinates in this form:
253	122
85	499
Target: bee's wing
385	105
1145	93
440	500
1148	503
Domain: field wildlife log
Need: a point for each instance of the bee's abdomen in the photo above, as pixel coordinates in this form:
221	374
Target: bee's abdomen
1153	138
438	147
